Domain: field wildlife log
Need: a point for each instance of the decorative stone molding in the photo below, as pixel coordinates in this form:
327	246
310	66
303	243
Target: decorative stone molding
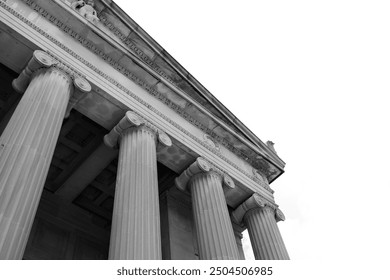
209	141
256	201
257	175
127	41
261	180
90	45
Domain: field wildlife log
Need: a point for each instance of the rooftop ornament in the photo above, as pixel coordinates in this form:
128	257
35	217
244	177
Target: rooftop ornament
86	9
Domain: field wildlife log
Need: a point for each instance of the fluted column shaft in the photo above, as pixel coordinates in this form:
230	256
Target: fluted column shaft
212	222
26	149
238	236
266	240
135	230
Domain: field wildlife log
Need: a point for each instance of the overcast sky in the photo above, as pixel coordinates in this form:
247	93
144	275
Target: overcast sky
313	77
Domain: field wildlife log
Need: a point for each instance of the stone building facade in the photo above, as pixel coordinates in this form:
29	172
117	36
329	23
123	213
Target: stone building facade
110	149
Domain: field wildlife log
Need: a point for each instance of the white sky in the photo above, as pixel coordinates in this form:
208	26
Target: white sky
313	77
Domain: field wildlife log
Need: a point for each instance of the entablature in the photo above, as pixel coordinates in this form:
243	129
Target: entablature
116	90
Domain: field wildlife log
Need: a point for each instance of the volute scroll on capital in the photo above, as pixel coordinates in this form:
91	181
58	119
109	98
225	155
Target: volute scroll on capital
228	181
81	87
279	216
163	140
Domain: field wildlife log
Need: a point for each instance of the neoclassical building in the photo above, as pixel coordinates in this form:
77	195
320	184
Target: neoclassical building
110	149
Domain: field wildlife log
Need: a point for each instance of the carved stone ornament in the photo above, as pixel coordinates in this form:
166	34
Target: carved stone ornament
257	175
82	84
279	216
270	145
133	118
43	58
164	139
203	164
208	140
228	182
259	200
86	9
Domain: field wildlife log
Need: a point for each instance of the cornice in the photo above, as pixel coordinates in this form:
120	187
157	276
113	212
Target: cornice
180	71
261	165
263	169
127	41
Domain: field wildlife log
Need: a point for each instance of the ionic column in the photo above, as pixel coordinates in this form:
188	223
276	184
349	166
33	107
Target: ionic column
214	230
260	218
26	149
135	229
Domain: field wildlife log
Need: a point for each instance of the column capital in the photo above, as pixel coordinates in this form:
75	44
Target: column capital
43	60
253	202
39	59
132	120
129	120
202	166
